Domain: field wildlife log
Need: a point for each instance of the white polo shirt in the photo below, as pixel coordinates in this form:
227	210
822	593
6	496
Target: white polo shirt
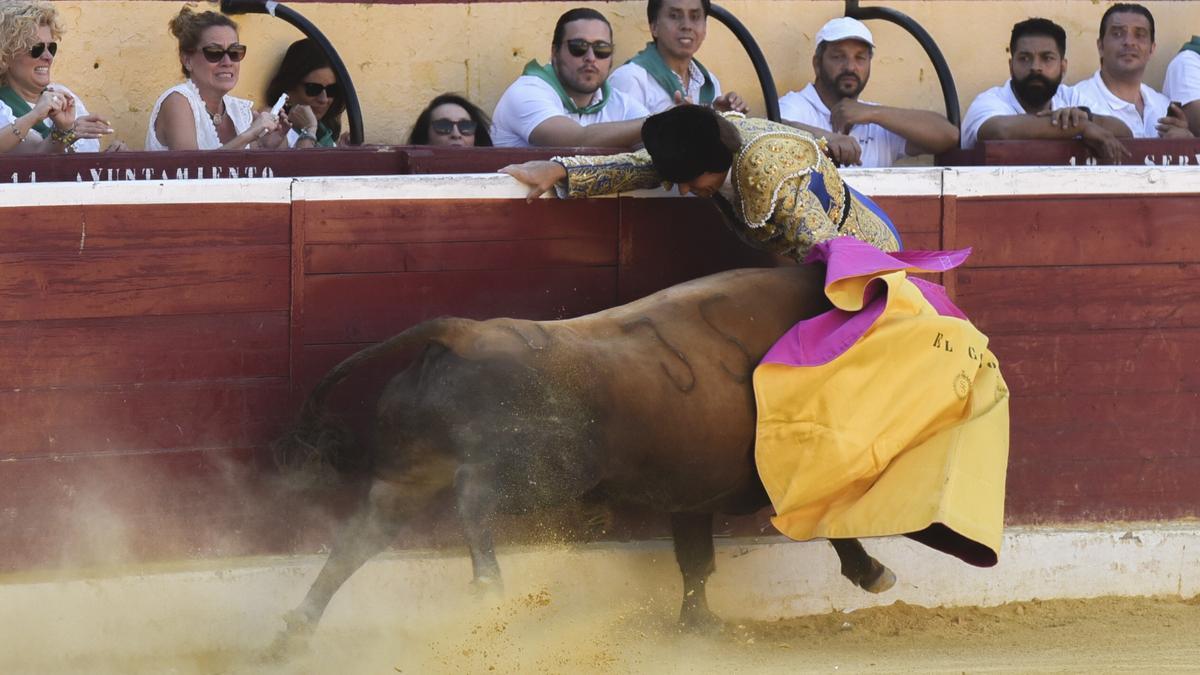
1182	83
1001	101
1094	94
530	101
636	83
880	147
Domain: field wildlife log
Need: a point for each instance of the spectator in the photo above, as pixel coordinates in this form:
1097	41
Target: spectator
1126	44
315	101
569	101
858	132
1182	84
200	114
450	119
29	35
656	75
1034	104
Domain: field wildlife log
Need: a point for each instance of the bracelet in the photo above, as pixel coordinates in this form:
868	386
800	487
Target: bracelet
17	132
305	135
66	138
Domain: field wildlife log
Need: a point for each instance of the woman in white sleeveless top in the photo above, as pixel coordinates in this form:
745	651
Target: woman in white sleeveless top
200	114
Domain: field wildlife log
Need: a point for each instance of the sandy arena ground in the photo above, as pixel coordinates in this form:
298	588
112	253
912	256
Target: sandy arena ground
164	623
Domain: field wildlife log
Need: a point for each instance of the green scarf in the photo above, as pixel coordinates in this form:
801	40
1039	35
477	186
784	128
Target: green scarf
651	60
546	74
325	137
21	107
1193	44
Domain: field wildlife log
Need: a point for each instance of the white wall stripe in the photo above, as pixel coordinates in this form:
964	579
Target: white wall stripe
1006	181
221	191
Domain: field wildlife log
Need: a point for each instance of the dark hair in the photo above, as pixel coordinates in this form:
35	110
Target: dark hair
577	14
1038	27
187	26
420	130
303	57
653	7
1131	8
688	140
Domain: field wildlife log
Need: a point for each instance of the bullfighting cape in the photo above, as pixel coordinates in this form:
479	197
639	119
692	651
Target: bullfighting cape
887	414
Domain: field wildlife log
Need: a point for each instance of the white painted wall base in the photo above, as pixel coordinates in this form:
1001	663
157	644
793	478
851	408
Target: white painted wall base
240	602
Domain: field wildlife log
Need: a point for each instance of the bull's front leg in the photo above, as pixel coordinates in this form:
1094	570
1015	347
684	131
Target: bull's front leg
860	568
477	496
692	534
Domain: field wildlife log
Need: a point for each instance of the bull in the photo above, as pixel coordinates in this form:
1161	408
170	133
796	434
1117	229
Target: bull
649	404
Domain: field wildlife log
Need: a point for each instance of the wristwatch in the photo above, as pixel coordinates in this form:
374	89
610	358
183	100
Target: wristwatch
306	134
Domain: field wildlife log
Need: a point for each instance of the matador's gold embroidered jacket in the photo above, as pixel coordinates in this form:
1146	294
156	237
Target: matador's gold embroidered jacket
787	194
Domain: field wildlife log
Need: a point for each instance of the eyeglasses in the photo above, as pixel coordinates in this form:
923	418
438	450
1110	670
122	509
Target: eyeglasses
443	127
579	47
314	89
236	52
40	48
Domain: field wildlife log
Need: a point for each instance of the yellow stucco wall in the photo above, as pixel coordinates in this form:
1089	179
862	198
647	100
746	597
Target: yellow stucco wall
119	57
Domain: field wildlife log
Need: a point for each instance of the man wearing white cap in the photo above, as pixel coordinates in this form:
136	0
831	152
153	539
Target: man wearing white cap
859	132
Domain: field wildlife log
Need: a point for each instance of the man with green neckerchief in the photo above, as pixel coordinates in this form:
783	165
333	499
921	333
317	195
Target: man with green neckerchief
666	72
567	102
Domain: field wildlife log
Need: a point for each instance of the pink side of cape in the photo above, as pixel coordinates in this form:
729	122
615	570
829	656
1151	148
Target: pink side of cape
823	338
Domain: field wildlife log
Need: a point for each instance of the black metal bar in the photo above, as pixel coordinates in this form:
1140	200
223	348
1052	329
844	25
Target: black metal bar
761	69
945	78
353	110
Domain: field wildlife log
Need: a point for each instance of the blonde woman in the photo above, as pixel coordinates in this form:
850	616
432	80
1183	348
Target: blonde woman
200	114
37	115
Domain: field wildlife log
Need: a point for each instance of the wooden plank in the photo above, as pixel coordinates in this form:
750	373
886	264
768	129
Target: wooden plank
667	241
1096	490
472	255
371	307
80	230
430	159
1058	231
146	282
1143	151
1069	364
426	220
122	418
1146	426
1091	297
87	352
913	215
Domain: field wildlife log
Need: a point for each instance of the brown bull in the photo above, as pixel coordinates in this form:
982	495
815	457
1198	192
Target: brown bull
649	403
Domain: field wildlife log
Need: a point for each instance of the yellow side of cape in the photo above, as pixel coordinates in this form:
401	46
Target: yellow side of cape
905	430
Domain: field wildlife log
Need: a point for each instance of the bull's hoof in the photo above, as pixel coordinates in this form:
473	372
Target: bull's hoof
488	589
878	579
699	621
292	641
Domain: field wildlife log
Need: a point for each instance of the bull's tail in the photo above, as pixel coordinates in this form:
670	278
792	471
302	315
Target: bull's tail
319	443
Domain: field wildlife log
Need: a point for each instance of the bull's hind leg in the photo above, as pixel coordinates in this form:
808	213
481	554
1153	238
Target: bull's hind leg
694	551
389	503
860	568
477	495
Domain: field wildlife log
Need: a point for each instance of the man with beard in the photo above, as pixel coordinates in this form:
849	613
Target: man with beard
857	132
568	103
666	72
1126	44
1034	104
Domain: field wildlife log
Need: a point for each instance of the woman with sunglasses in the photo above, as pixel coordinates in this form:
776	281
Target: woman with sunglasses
450	119
37	115
315	101
200	114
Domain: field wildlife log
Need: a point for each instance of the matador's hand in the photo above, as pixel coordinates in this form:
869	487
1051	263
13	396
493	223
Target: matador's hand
540	176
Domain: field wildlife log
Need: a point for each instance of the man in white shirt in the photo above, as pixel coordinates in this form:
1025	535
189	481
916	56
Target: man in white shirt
1034	104
666	72
568	102
1182	84
858	132
1126	44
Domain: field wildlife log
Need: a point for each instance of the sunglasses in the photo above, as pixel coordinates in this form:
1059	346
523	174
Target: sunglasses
443	127
314	89
40	48
236	52
600	48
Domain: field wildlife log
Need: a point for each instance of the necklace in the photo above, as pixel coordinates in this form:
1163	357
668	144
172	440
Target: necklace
219	116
